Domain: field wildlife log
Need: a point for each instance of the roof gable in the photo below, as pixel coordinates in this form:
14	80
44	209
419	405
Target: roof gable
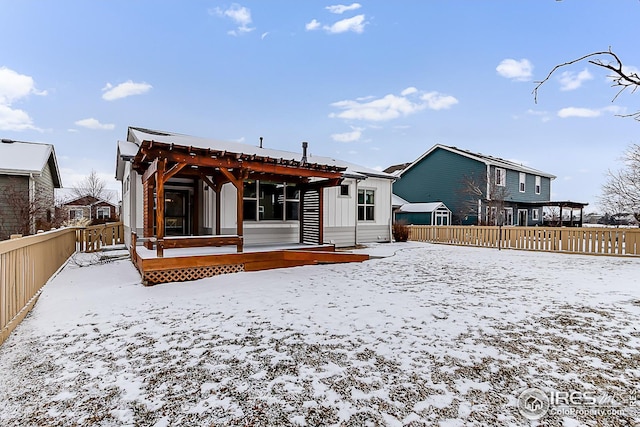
28	158
482	158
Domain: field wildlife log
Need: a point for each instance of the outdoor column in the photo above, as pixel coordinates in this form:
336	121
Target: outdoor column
320	215
218	195
147	220
160	208
239	183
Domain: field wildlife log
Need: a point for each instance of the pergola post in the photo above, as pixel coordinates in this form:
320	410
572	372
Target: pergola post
147	194
160	207
240	212
218	203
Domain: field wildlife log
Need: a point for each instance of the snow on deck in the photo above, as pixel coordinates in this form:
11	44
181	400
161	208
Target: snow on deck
221	250
428	335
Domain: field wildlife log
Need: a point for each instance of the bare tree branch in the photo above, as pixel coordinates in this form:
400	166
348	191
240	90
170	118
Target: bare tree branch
620	78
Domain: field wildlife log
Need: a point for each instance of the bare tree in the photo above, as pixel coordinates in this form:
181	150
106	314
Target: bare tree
93	186
621	192
622	78
473	191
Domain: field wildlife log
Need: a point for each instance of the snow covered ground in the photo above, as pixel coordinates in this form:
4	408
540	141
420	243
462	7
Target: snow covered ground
428	335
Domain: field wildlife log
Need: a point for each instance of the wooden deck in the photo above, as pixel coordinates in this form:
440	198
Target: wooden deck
178	265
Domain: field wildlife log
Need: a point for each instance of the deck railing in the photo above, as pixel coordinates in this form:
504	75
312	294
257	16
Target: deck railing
26	264
93	238
593	241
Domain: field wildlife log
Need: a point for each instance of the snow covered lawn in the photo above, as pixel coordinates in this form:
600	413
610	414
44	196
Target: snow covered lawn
432	335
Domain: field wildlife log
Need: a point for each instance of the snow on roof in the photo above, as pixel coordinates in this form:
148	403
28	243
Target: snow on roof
137	135
422	207
489	160
397	200
25	158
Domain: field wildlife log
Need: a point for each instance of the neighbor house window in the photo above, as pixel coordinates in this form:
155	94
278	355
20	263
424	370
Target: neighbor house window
535	214
75	213
366	205
523	180
344	190
538	186
501	177
270	201
103	212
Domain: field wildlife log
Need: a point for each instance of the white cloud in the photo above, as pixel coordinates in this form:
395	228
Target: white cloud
571	81
438	101
313	25
589	112
515	70
352	136
92	123
239	14
341	8
391	106
578	112
124	90
14	87
14	119
355	24
408	91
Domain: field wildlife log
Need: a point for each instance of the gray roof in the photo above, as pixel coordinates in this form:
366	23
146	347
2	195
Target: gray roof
128	149
28	158
486	159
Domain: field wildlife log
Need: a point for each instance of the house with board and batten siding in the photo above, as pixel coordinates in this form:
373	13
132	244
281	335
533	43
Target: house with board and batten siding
445	174
29	174
286	197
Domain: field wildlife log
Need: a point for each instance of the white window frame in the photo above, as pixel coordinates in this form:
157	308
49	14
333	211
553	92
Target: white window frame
538	184
501	177
343	186
365	205
508	216
103	208
535	215
76	216
523	182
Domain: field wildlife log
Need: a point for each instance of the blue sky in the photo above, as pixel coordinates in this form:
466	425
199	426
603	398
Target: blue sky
373	82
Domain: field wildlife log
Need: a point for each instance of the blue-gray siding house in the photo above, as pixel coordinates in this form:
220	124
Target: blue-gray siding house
478	189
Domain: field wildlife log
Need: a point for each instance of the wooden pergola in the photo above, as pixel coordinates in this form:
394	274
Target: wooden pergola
158	162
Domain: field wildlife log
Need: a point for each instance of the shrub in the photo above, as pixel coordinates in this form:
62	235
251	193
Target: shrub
400	231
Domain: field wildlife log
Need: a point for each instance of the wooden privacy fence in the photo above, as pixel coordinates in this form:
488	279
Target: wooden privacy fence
593	241
26	264
93	238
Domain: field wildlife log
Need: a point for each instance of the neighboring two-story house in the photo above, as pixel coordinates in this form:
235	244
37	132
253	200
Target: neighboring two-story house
478	189
28	175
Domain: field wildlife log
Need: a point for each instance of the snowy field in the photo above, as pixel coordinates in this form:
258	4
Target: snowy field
428	335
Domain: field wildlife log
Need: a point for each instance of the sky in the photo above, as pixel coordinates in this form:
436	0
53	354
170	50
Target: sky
375	83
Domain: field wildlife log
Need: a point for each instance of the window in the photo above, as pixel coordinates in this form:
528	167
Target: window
501	177
292	202
366	205
523	180
75	213
270	201
535	214
344	190
103	212
538	186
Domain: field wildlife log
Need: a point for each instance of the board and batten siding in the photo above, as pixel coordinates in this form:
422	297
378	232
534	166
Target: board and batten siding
439	178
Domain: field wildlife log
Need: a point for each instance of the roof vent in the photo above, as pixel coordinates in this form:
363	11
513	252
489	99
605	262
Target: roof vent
261	142
7	141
